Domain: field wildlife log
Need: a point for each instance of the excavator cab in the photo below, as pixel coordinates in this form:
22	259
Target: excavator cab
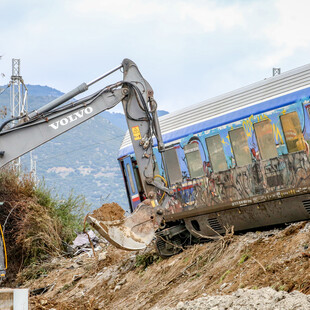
3	257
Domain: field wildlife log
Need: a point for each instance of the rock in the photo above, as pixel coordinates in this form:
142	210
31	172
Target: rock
76	278
245	299
117	287
122	282
224	285
102	256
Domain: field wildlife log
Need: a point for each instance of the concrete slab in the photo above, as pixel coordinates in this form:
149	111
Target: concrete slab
13	299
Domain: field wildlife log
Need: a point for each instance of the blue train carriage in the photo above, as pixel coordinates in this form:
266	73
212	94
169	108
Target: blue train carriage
240	159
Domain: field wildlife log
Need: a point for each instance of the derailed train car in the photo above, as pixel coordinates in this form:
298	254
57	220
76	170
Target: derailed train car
240	159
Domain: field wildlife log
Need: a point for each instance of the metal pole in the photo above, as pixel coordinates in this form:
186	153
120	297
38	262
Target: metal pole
80	89
103	76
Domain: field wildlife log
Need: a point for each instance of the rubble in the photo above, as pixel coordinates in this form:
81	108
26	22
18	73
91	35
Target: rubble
257	269
243	299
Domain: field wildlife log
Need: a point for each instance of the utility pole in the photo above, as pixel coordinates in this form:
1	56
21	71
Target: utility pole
19	105
18	91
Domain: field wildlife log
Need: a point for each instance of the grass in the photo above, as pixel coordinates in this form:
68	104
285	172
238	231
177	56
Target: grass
147	259
222	278
68	212
244	258
38	224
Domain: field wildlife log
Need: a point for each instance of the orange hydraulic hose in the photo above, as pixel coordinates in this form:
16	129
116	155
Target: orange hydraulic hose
4	247
164	180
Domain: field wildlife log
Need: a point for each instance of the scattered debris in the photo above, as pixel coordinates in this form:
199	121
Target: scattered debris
87	243
239	266
82	240
41	290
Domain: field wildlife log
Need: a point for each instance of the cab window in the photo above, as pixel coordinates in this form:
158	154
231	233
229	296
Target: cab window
132	185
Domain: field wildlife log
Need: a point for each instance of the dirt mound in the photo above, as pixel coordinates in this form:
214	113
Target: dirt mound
279	259
109	212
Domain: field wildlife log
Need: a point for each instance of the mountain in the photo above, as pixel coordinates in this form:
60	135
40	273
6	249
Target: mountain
83	160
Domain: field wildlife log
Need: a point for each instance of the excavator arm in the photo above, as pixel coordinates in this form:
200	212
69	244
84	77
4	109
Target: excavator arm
23	134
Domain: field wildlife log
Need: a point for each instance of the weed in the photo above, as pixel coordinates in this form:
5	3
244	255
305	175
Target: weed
66	287
227	272
147	259
69	212
244	258
36	223
35	271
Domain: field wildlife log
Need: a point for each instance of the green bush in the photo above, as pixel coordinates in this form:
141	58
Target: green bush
69	212
38	224
147	259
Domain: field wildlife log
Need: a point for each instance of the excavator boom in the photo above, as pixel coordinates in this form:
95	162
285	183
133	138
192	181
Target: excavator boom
57	117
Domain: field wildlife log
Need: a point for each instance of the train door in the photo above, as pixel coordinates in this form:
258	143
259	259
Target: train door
132	182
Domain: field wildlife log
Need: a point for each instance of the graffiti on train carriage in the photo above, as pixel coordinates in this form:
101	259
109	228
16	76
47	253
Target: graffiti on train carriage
254	156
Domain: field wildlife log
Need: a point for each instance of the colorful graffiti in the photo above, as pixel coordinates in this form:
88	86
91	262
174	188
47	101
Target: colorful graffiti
261	177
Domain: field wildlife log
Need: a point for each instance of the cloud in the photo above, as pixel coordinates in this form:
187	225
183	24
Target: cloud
209	17
176	16
186	49
288	32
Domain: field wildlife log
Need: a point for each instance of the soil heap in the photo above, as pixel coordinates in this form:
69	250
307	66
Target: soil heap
235	268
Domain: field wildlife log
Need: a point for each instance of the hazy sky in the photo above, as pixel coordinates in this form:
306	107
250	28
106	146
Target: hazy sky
188	50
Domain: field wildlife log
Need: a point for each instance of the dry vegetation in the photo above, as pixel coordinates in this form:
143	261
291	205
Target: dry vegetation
36	225
126	280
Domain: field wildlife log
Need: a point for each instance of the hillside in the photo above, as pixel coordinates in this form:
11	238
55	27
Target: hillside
258	270
83	159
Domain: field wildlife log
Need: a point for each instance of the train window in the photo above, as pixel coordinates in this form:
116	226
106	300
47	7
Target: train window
132	185
240	147
292	132
173	166
216	153
137	178
265	139
193	159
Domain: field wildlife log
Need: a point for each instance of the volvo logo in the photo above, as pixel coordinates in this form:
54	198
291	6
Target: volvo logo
71	118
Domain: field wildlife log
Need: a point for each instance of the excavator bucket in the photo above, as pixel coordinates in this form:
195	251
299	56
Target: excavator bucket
131	233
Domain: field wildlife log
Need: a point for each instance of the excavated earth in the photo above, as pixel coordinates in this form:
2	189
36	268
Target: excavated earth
257	270
109	212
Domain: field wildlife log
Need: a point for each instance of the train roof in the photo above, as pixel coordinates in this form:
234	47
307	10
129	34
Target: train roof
255	98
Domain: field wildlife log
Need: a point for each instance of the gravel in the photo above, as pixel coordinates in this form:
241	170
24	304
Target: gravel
246	299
